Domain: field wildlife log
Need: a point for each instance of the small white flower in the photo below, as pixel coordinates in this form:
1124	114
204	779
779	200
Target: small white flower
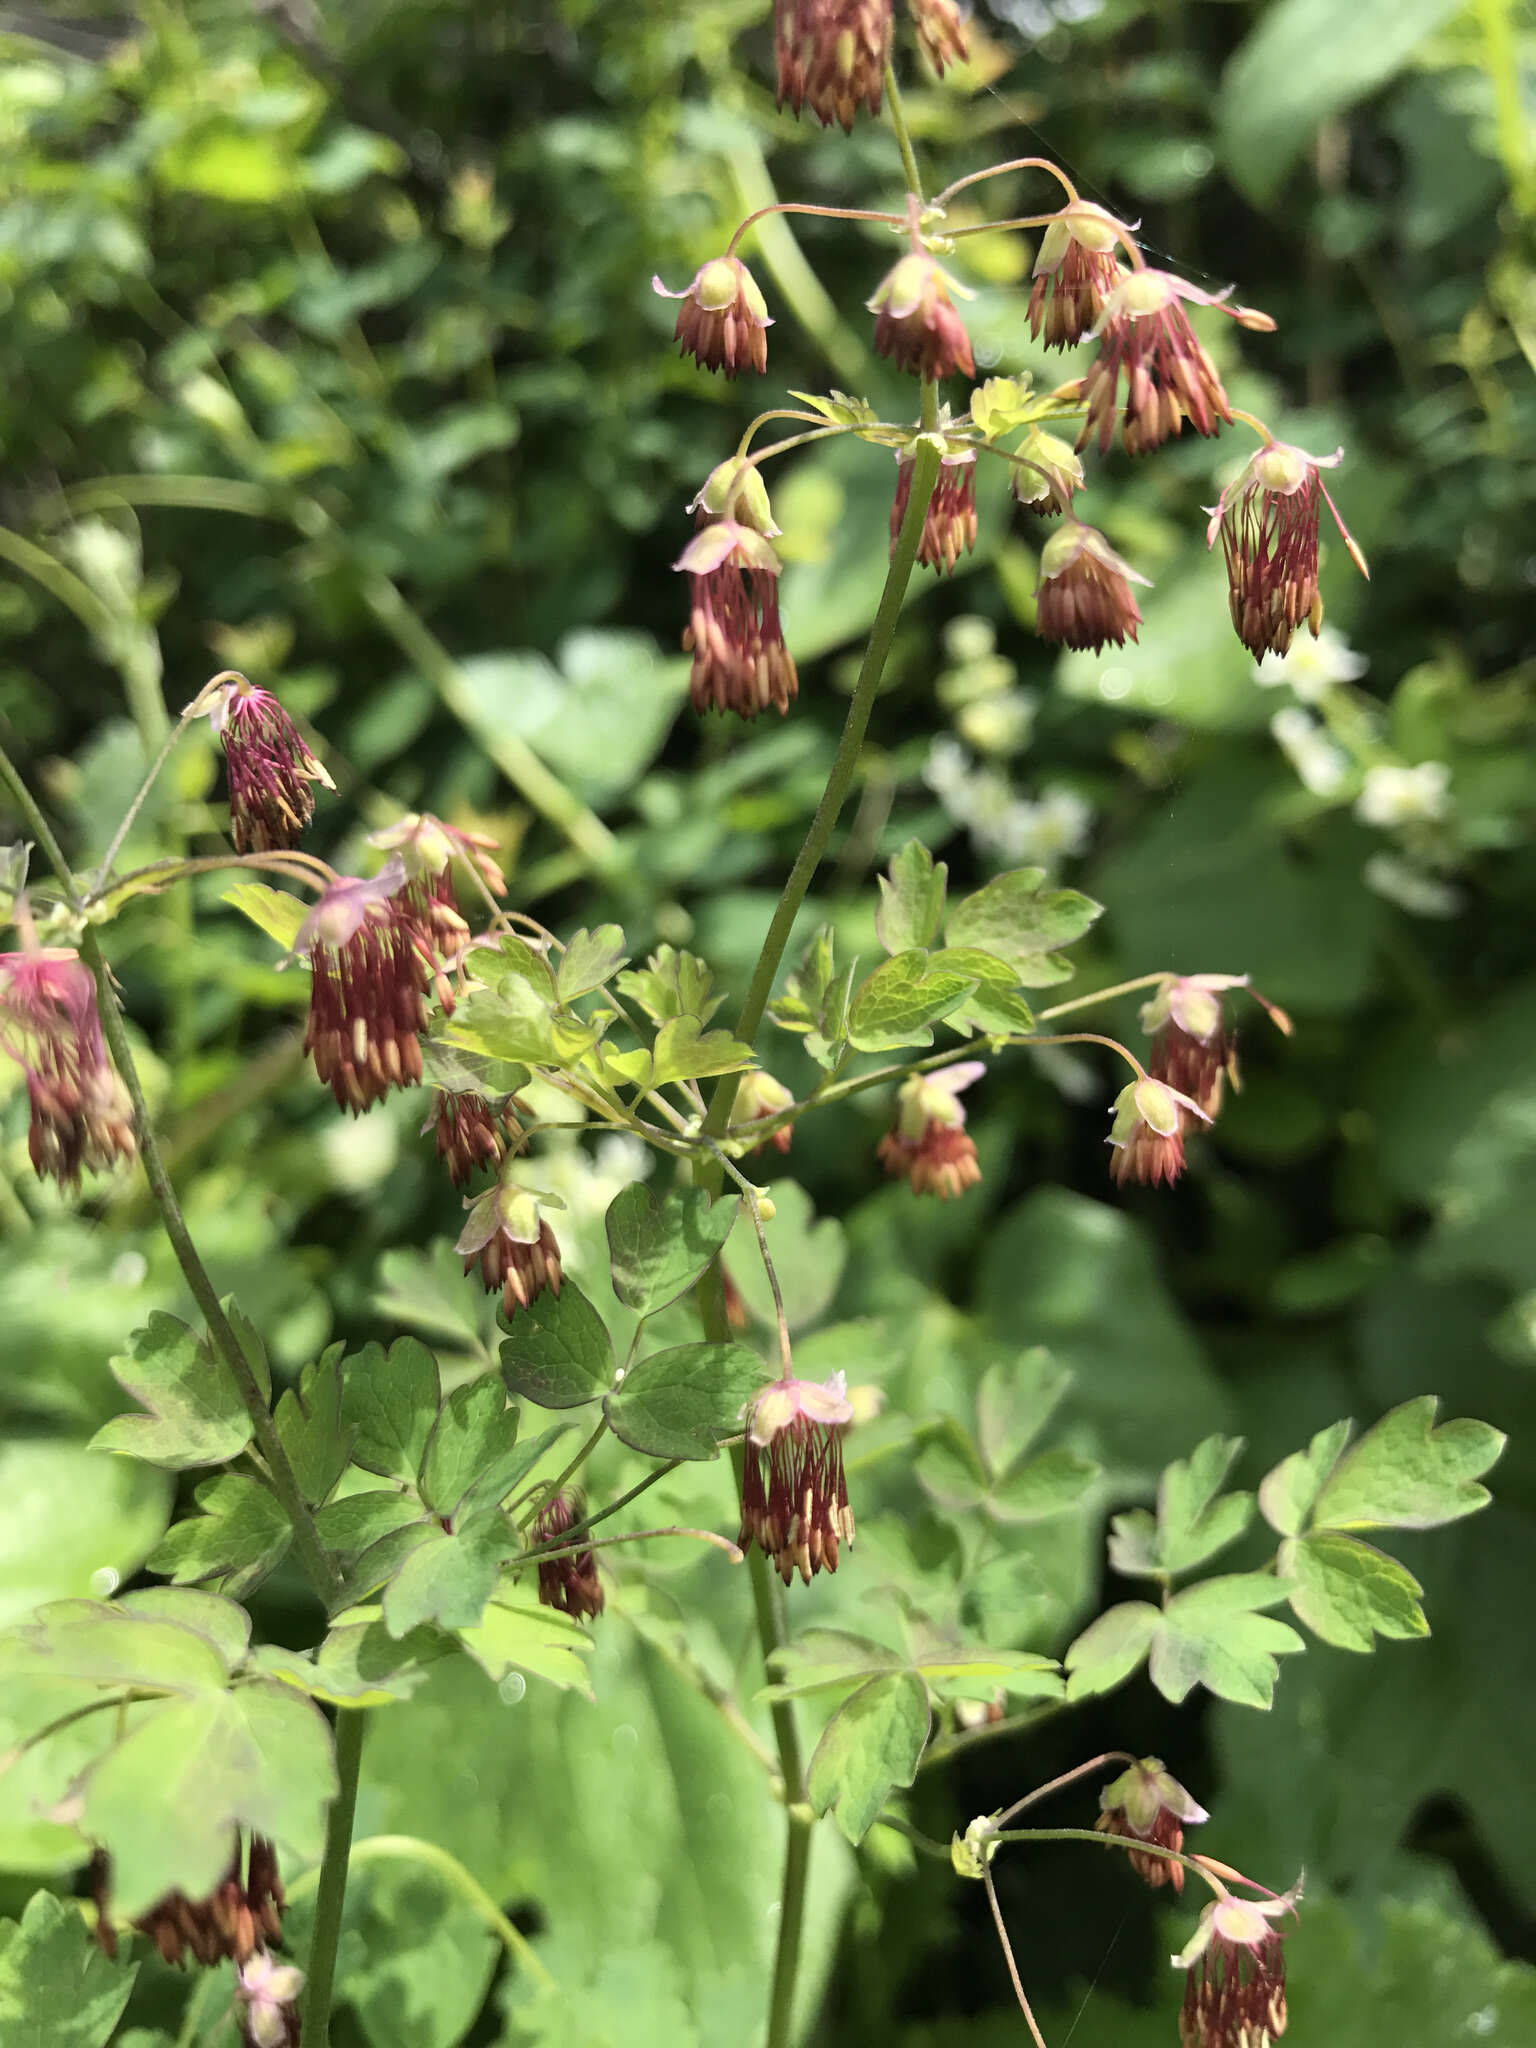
1410	888
1312	667
1404	796
1053	828
1320	764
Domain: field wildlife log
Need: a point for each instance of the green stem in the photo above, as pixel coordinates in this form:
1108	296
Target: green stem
412	1849
323	1576
554	1485
903	133
925	471
332	1887
1501	63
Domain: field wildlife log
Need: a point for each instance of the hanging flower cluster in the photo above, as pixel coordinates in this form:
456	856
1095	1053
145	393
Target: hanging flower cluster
569	1583
234	1923
794	1498
930	1146
81	1119
507	1237
271	771
1146	1803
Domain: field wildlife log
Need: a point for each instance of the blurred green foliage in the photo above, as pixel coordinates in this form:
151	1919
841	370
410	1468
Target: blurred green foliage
329	352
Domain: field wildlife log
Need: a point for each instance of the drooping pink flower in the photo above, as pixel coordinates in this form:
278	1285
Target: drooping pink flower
760	1097
794	1496
1268	521
740	661
49	1024
1076	270
832	55
1145	337
941	32
569	1584
1234	1994
1194	1049
271	770
467	1131
508	1238
267	1998
234	1922
916	324
428	848
1146	1803
723	319
1148	1131
371	966
929	1145
949	525
1084	596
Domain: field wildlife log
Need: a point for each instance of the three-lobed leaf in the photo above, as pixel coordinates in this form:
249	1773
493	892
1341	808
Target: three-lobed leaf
56	1989
1348	1592
1017	918
657	1250
1405	1473
871	1746
389	1400
557	1350
238	1538
911	906
680	1403
194	1411
898	1003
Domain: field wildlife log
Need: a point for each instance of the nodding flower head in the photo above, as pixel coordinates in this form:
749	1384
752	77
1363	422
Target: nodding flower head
1047	473
1234	1994
506	1236
734	489
468	1133
929	1144
949	525
1268	521
916	324
49	1025
1148	1804
740	662
794	1498
1194	1049
1148	1131
234	1922
371	965
758	1097
428	849
1145	335
1084	596
832	55
267	1995
271	771
568	1583
723	319
1076	270
941	32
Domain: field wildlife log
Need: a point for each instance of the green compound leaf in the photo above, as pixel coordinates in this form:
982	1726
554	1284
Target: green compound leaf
259	1758
1288	1493
446	1579
391	1402
1348	1592
1213	1635
1052	1484
514	1021
659	1249
360	1664
996	1006
557	1351
671	984
517	1634
112	1646
1110	1648
270	910
900	1000
1194	1518
57	1990
313	1430
1407	1474
237	1539
474	1437
679	1403
684	1051
590	959
195	1413
871	1745
348	1527
1022	922
911	907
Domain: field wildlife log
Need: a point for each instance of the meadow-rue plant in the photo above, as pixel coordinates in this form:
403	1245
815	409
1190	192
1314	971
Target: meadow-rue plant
427	1515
